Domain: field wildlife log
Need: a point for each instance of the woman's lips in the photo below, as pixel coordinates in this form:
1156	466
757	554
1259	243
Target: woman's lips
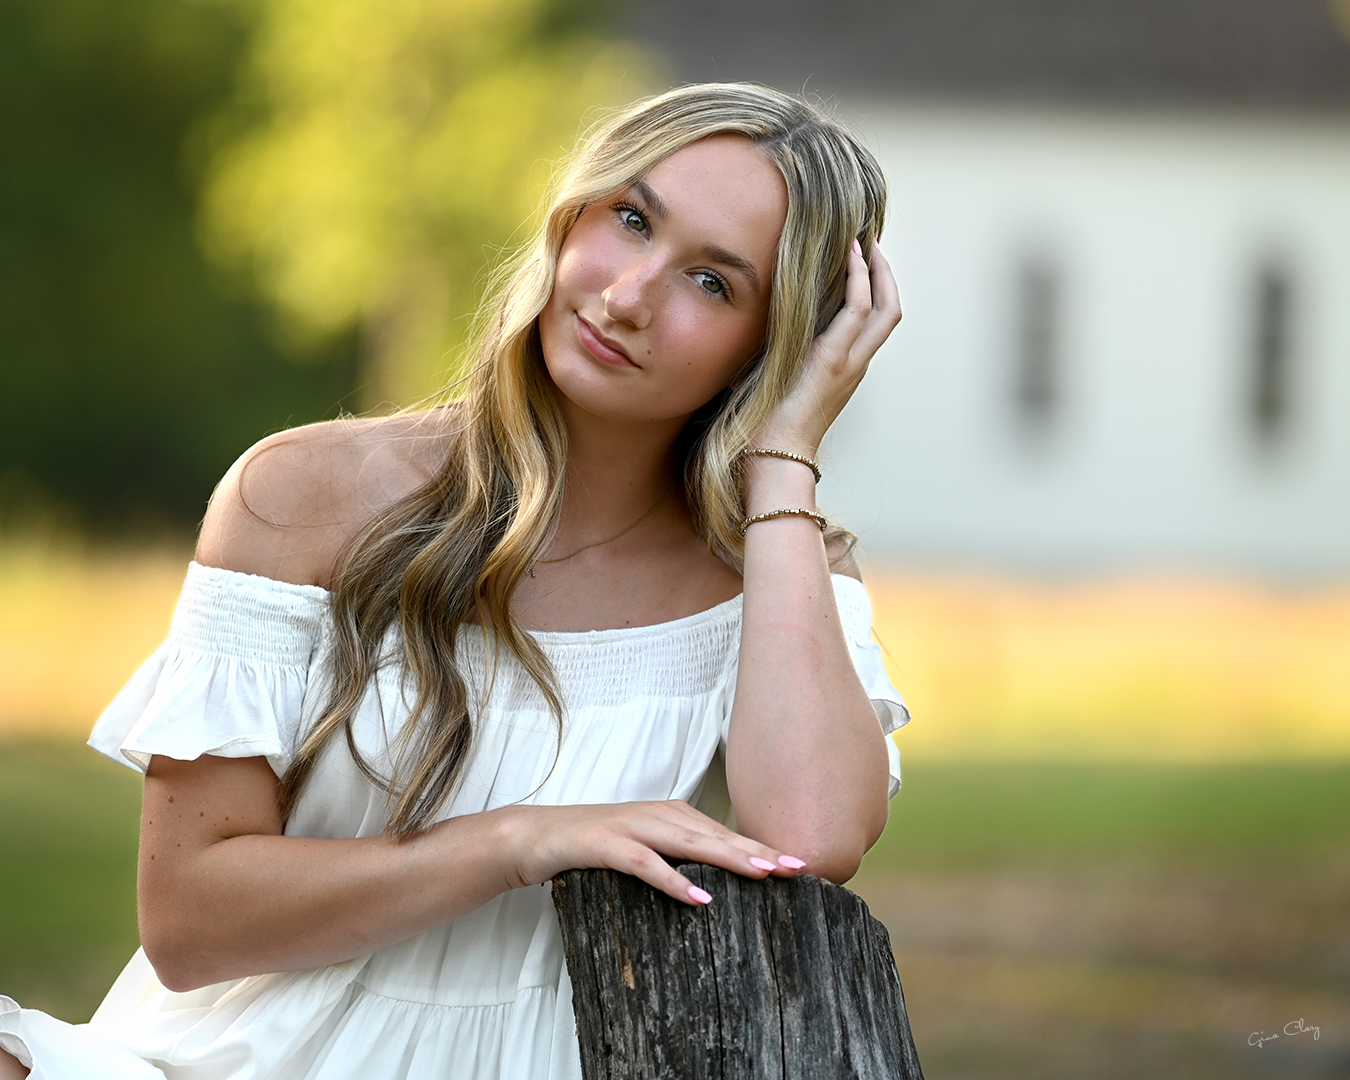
604	349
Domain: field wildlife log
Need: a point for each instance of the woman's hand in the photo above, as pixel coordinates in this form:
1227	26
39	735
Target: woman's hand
838	358
632	838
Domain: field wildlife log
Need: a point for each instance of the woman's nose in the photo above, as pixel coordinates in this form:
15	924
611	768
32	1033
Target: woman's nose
631	296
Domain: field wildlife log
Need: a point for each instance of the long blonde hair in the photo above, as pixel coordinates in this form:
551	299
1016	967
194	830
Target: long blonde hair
455	550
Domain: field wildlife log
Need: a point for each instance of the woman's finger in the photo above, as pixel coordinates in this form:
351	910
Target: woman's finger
885	289
731	851
680	833
642	862
653	867
885	314
838	337
770	860
639	838
762	857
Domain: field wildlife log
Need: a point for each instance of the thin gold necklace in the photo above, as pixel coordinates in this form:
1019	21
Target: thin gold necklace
601	543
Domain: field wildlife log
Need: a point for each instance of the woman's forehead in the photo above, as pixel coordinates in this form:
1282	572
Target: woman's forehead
724	192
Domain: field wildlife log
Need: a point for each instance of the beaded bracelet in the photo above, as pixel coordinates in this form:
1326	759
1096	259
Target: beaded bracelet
786	455
795	511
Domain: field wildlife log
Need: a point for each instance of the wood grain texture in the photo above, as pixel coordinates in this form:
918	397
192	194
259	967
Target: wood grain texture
784	978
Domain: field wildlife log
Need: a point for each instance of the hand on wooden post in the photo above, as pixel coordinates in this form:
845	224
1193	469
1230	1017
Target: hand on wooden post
636	838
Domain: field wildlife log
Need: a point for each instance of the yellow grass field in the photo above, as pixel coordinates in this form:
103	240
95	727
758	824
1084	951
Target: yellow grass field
1125	669
73	627
1135	669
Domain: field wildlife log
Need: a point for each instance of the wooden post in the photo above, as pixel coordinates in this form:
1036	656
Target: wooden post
784	978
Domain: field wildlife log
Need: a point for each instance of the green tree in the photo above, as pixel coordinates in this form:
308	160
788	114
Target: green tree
129	374
380	152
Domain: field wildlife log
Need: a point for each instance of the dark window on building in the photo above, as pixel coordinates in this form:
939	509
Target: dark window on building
1270	396
1037	389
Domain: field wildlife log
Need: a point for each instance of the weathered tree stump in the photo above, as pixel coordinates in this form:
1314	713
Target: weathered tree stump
788	978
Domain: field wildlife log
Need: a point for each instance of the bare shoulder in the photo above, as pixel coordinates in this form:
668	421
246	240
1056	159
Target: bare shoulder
288	508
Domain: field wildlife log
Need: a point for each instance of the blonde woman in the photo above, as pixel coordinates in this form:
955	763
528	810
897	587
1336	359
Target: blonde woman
581	615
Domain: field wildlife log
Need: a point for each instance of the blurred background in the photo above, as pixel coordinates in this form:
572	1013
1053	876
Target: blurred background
1100	473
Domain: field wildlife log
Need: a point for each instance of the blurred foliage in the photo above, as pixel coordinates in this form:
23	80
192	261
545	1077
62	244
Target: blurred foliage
129	374
973	814
350	164
377	154
68	893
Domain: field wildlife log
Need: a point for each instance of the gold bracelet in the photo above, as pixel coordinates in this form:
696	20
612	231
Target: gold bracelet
786	455
795	511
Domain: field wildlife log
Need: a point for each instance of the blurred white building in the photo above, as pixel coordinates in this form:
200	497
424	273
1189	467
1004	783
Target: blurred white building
1123	239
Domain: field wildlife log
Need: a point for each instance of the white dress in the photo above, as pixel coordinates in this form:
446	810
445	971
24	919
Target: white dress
486	996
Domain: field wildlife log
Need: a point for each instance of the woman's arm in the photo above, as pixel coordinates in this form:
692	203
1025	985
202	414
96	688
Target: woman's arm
806	756
223	894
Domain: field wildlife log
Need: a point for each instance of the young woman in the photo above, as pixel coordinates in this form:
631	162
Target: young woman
581	615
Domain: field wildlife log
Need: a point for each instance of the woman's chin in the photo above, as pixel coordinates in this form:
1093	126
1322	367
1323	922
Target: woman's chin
621	411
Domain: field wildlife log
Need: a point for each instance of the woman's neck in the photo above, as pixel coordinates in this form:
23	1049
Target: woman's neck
617	473
624	551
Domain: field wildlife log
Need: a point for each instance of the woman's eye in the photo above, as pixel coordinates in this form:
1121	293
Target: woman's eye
712	283
632	219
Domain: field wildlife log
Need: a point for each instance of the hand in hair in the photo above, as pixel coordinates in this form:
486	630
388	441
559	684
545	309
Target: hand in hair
838	358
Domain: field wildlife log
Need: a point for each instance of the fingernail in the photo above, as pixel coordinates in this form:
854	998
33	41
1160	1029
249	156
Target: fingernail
698	896
762	864
790	862
857	247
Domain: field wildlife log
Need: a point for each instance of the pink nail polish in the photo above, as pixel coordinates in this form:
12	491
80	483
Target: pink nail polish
698	896
790	862
762	864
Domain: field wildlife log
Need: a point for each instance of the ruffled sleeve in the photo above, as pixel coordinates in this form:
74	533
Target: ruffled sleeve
855	612
229	681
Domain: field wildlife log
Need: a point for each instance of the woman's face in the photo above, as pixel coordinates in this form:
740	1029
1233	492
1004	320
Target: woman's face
662	291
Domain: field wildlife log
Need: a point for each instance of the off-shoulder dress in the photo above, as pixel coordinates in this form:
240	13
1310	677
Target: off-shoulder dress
486	996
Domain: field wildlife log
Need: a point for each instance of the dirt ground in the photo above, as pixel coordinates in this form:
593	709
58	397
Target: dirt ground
1126	969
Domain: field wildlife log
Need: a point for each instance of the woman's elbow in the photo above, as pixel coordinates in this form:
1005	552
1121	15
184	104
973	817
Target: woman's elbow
836	854
839	864
838	869
173	941
176	980
178	965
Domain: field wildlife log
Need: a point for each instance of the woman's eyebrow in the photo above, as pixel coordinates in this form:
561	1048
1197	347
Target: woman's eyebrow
659	211
651	198
727	258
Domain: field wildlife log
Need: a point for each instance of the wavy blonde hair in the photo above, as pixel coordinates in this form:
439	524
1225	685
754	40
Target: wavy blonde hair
455	550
